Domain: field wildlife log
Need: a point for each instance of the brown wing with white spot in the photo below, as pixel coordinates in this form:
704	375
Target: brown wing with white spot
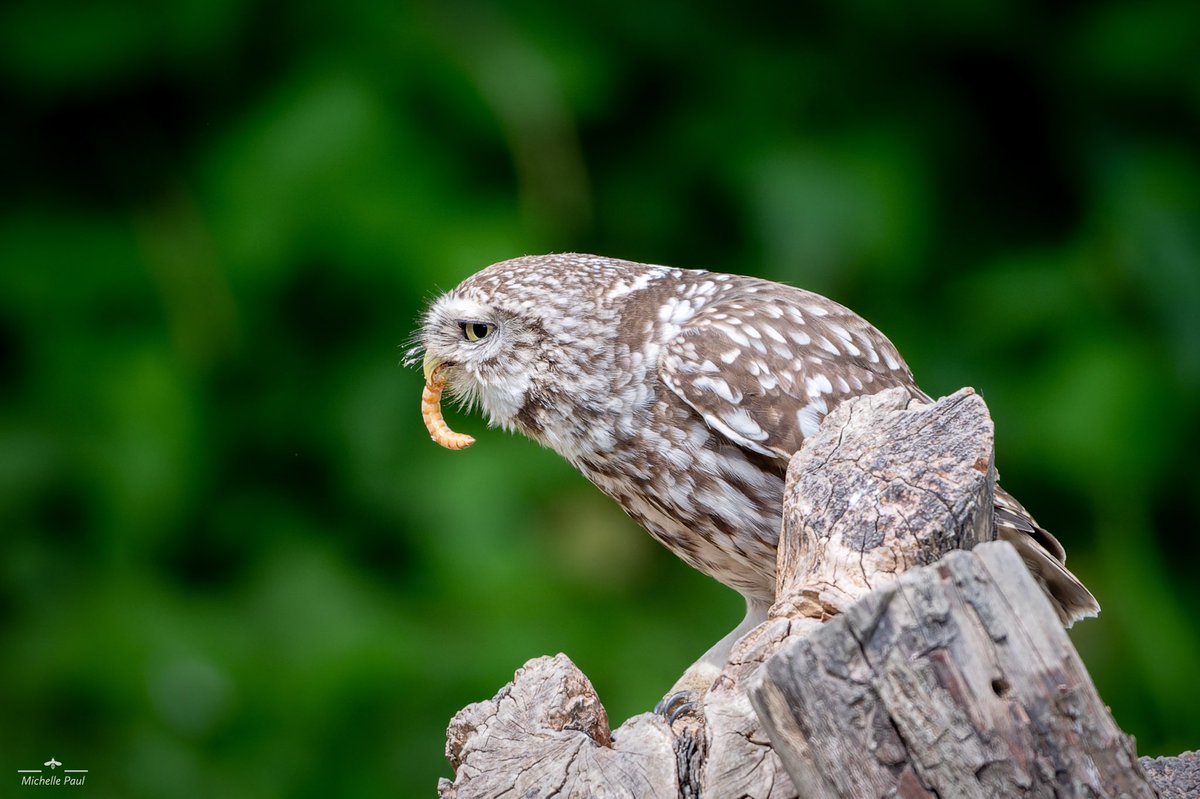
764	363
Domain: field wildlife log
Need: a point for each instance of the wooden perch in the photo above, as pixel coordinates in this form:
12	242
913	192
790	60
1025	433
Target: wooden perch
893	662
957	680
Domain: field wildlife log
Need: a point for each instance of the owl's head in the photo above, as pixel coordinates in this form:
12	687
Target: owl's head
488	348
530	341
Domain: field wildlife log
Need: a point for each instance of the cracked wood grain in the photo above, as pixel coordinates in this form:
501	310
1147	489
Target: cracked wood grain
957	680
546	734
899	485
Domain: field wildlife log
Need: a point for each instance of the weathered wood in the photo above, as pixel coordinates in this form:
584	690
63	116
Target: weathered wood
958	680
883	676
887	484
546	734
1174	777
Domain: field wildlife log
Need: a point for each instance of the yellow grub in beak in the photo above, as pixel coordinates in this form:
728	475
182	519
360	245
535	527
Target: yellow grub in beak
431	408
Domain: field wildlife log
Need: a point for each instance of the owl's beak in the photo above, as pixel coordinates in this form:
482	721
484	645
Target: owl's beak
431	363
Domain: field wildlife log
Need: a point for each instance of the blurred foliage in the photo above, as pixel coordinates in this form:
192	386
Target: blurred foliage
232	562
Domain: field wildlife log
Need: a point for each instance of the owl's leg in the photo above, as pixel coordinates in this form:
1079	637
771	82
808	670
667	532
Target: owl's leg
688	691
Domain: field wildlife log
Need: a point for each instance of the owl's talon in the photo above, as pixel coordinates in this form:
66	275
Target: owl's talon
686	707
673	706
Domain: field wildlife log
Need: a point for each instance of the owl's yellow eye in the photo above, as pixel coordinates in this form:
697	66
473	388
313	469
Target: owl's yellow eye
473	331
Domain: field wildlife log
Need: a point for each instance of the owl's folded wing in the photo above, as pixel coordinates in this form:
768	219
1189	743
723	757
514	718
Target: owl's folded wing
765	378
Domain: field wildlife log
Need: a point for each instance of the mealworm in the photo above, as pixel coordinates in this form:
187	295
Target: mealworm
431	412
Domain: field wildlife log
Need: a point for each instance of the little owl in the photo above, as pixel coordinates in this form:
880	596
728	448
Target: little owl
682	395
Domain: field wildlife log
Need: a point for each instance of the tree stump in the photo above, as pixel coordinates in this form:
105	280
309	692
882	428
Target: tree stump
894	662
958	680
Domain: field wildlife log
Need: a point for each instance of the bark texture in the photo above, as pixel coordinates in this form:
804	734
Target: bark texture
894	663
958	680
1175	777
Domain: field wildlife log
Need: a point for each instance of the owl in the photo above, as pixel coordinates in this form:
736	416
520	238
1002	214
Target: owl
682	395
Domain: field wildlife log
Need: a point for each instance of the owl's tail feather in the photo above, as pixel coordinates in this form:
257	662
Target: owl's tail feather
1045	558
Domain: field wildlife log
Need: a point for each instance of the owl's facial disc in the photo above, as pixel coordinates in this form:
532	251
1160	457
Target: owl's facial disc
479	344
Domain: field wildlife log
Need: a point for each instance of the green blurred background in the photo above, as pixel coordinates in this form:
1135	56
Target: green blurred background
231	561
